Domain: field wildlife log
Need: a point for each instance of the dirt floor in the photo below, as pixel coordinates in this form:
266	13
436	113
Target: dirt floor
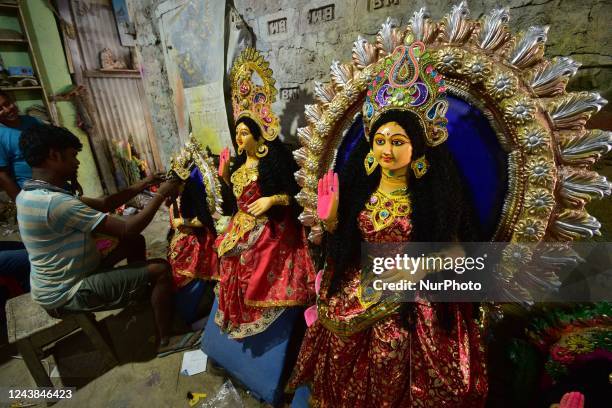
140	380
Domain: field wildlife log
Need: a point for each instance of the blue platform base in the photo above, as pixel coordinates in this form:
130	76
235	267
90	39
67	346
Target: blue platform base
301	397
260	362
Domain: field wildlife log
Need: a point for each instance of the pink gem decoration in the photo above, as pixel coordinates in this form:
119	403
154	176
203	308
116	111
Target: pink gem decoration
373	200
442	89
438	78
369	93
429	69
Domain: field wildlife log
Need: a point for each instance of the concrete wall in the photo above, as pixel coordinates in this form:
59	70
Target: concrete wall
47	46
155	77
302	37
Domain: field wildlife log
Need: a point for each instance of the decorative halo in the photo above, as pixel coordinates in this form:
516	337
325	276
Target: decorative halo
540	125
252	99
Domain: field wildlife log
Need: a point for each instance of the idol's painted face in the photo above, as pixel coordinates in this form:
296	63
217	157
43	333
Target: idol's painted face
245	139
391	147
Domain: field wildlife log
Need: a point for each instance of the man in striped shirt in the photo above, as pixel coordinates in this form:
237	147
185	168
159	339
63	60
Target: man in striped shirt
67	271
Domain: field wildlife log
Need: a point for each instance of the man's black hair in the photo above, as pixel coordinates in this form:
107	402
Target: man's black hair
36	142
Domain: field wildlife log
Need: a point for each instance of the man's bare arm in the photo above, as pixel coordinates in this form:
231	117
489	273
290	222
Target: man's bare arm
114	201
134	224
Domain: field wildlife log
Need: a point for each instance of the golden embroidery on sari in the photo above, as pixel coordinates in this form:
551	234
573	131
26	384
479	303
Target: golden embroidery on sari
385	207
242	178
241	224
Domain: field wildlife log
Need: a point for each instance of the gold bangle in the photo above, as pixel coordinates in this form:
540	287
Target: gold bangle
330	226
281	199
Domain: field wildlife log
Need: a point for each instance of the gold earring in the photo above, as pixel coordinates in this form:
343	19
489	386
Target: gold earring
262	150
370	163
420	167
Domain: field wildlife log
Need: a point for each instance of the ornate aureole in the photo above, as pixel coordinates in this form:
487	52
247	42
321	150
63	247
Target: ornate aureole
540	126
193	155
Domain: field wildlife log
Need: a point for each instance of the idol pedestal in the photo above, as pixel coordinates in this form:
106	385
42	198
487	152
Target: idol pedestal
263	362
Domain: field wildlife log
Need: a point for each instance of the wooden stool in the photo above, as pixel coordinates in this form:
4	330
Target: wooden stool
31	327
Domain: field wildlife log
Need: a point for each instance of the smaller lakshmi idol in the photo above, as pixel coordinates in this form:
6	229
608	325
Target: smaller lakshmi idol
264	264
191	253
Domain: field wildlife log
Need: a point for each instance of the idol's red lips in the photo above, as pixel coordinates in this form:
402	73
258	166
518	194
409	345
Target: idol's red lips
387	159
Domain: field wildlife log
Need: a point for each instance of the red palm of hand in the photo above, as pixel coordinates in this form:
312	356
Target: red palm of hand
328	196
572	400
223	160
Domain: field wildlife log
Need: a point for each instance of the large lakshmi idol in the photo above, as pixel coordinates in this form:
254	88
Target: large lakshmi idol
442	131
395	187
264	261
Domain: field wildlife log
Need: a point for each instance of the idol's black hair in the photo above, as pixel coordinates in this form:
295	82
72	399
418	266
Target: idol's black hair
194	204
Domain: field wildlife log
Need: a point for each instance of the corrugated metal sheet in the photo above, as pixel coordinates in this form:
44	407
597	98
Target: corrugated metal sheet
120	113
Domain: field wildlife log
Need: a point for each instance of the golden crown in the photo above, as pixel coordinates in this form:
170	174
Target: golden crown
254	99
407	80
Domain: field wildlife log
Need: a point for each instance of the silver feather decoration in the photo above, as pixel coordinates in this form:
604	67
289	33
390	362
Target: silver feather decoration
579	187
313	114
530	47
551	80
324	93
458	27
388	37
572	111
341	74
574	224
494	33
586	148
364	53
417	22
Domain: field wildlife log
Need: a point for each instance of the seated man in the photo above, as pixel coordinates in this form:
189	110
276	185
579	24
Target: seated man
14	171
67	272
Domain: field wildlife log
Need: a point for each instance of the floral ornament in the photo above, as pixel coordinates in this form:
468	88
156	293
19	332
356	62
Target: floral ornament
501	85
476	68
579	343
517	254
449	59
539	172
556	369
530	229
561	354
539	202
534	139
519	110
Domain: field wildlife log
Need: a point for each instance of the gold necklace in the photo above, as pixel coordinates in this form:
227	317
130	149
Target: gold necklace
384	207
243	177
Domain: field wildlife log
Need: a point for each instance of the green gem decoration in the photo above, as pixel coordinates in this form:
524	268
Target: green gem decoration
384	214
370	159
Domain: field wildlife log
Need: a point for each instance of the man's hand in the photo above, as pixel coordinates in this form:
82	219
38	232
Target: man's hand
170	188
154	179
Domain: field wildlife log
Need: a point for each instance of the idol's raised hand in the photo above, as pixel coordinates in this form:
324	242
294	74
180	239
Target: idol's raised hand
327	199
224	161
572	400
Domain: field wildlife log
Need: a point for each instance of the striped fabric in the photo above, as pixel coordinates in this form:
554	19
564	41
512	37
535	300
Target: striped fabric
56	230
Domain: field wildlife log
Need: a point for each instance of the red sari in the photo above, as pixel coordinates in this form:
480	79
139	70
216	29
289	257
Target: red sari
264	267
361	357
192	253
